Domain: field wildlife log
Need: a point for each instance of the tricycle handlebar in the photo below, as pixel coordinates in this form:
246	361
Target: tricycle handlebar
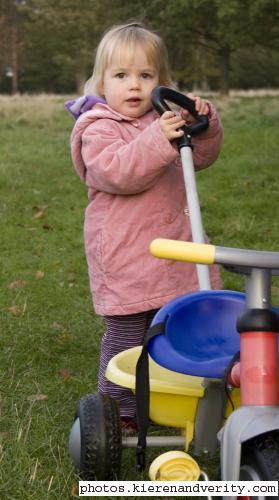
159	95
209	254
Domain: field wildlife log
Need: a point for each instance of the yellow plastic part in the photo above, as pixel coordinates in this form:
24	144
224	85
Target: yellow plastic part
173	396
183	250
189	433
174	466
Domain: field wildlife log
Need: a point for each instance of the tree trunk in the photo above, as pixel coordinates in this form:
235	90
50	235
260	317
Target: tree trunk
14	65
80	82
12	19
225	58
199	67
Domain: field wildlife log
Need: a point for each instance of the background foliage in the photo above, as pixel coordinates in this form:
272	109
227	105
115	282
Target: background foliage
48	45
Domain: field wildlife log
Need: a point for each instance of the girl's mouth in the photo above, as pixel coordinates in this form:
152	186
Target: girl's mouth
134	99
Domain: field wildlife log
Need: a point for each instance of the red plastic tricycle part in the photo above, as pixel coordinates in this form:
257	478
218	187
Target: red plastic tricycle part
259	368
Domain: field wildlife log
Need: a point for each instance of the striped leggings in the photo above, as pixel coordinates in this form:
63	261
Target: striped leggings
122	332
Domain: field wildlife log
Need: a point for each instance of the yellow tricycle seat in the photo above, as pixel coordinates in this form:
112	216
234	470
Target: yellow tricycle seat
173	396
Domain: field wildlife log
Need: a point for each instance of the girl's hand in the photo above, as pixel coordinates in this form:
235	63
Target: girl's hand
201	106
170	123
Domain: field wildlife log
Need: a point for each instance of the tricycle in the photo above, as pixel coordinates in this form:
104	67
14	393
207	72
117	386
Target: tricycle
208	367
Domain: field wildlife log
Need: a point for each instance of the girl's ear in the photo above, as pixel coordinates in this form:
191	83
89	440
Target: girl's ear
101	88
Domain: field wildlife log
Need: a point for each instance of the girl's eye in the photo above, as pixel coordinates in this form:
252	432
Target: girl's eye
120	75
146	75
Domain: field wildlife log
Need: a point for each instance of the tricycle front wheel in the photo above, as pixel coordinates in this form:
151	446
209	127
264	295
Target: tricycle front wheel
260	460
95	439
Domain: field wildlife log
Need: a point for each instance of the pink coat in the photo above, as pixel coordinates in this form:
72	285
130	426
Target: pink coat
136	194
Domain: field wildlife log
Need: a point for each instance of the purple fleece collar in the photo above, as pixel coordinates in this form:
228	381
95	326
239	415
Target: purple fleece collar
84	103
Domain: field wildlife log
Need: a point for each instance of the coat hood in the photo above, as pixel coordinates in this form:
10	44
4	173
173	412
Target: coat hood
98	110
82	104
86	118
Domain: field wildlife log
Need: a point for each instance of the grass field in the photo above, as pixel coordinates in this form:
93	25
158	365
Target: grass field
49	336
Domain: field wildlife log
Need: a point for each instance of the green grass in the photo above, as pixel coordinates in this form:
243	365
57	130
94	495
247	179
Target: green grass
49	336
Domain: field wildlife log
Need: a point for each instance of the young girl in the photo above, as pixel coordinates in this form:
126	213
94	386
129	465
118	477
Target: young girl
127	156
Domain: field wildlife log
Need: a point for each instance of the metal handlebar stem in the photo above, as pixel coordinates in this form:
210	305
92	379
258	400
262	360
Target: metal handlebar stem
159	97
194	212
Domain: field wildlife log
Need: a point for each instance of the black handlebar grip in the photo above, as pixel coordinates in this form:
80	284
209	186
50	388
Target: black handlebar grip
160	94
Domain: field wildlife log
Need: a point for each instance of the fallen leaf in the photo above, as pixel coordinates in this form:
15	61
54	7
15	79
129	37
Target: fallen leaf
38	211
40	275
213	199
17	284
71	277
46	226
75	490
64	337
4	435
64	374
25	226
71	280
38	215
16	310
37	397
57	326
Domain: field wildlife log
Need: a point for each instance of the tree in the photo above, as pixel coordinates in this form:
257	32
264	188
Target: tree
215	30
12	39
49	44
61	33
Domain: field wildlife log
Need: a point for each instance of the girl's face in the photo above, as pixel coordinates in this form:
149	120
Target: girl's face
128	83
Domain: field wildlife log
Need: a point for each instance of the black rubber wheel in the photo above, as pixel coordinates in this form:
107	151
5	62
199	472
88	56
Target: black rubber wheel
260	460
100	438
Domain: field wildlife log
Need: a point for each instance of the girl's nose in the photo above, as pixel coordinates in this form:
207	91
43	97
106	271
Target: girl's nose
135	82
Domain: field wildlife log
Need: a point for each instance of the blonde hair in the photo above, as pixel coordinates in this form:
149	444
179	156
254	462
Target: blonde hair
127	37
